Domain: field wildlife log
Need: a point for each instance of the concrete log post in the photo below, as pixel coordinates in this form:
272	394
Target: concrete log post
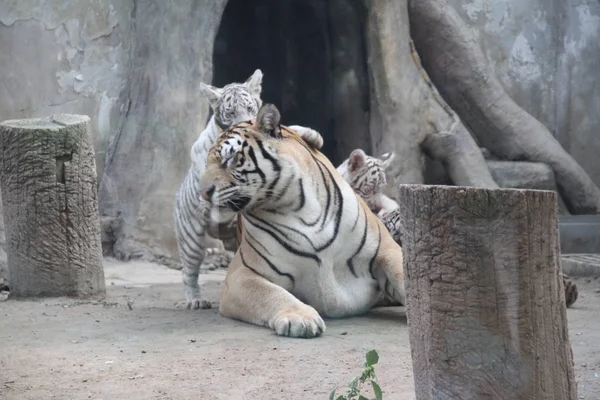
49	193
485	302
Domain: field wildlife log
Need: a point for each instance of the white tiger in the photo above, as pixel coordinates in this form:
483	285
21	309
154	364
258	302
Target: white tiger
231	104
366	175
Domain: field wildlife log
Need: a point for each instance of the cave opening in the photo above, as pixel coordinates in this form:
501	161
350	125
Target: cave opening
313	58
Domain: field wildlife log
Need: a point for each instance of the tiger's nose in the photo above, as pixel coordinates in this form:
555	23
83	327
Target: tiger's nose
207	193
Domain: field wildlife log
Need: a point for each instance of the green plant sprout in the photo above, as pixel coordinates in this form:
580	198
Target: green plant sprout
368	374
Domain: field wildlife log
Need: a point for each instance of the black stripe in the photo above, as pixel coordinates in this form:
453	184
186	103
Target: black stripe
286	187
270	264
187	236
256	241
302	197
285	244
362	244
275	164
276	227
328	203
248	266
323	214
252	156
372	262
338	214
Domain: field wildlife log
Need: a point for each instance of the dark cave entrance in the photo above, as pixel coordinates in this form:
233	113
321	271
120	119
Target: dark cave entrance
313	58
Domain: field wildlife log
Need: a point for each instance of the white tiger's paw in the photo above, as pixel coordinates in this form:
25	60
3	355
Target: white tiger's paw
310	136
217	259
195	303
198	303
299	322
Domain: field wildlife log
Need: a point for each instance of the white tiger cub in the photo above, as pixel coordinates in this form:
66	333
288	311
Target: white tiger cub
231	104
366	175
310	247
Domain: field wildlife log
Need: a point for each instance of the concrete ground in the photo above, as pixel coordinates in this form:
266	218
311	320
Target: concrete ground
137	345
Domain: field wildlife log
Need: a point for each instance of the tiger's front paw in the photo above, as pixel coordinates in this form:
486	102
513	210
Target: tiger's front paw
197	303
194	301
298	322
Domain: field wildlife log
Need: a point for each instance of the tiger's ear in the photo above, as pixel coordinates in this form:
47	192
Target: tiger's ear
213	94
387	159
267	121
254	83
357	160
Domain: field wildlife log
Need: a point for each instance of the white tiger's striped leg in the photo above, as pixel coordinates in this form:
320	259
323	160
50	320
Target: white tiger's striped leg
194	299
191	255
310	136
251	298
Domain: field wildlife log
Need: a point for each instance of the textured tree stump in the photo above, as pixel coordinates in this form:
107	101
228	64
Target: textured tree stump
485	302
49	193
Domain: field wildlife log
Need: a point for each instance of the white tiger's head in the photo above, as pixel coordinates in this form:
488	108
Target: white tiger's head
245	165
235	102
366	175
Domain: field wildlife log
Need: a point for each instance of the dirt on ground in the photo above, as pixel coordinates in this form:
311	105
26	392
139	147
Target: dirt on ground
137	345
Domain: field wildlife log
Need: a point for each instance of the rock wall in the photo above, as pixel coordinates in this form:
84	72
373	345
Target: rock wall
545	54
133	66
66	57
164	114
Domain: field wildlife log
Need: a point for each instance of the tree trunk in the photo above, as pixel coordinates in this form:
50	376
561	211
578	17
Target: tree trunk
458	68
407	114
49	193
149	156
485	305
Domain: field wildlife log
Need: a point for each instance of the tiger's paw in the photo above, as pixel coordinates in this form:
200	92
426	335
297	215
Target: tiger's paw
298	322
310	136
194	303
198	303
217	259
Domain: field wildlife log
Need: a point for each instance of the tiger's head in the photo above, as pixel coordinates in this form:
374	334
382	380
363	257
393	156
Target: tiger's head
366	175
244	166
235	102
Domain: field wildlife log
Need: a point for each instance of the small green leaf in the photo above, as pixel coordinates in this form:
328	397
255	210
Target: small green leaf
372	358
341	398
361	397
332	395
377	391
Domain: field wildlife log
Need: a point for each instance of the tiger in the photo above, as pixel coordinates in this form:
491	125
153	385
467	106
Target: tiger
366	175
310	247
231	104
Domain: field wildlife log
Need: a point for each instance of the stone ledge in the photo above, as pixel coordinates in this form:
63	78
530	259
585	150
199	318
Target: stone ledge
582	265
579	234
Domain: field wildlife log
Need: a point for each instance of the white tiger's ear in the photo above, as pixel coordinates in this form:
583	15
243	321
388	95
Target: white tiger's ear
213	94
254	83
267	120
357	160
387	159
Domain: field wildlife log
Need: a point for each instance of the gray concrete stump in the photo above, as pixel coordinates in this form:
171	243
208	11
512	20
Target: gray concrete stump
49	193
485	303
